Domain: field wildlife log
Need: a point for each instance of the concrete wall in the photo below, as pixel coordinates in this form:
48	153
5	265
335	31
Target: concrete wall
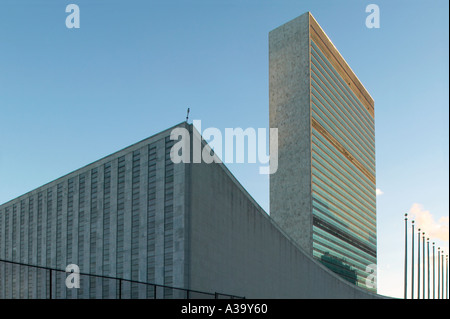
236	248
121	216
289	105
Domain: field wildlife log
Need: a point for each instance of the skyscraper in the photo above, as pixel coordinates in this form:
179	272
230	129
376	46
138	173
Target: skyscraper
190	230
324	192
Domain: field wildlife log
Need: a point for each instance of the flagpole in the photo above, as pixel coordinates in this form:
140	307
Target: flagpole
423	264
434	279
412	264
406	253
418	264
428	265
442	276
439	274
446	274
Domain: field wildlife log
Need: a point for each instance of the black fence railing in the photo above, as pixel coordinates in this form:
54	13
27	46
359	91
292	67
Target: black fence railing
24	281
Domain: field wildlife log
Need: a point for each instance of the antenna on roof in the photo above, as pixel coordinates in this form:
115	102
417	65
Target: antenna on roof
187	115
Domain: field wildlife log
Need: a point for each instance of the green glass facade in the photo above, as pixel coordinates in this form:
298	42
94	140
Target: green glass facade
343	174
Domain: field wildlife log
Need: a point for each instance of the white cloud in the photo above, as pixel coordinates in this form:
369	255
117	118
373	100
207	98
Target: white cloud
425	221
379	192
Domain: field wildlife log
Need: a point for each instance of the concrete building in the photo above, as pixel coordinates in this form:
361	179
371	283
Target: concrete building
122	216
324	192
137	215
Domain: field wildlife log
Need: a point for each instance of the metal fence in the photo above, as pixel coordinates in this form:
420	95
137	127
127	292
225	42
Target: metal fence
24	281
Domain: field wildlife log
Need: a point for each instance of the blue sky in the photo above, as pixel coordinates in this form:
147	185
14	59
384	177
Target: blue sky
71	96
